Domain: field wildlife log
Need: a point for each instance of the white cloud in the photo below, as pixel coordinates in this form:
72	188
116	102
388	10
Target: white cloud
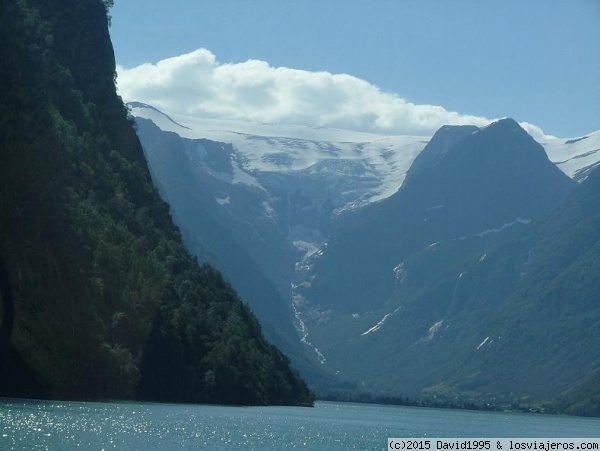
536	132
197	84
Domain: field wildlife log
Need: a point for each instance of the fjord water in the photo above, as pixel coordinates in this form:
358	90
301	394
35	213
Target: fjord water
29	424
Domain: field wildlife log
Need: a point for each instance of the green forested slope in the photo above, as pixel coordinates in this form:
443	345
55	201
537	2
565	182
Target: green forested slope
99	297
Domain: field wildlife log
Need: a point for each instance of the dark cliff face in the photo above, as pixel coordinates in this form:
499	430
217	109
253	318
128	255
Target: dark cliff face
466	181
519	316
107	301
441	142
486	312
81	43
8	310
489	178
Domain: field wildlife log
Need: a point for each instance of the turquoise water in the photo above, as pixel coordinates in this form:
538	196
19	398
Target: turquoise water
26	424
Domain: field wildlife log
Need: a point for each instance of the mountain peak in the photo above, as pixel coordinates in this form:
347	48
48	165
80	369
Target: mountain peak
485	178
441	142
506	133
505	126
141	105
503	141
506	122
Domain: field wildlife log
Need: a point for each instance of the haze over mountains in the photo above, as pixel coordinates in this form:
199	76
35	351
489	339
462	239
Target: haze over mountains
462	265
404	264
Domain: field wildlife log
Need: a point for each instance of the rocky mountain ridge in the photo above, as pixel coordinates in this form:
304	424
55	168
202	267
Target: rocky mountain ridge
380	277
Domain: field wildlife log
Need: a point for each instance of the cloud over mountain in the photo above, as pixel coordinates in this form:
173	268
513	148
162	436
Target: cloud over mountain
197	84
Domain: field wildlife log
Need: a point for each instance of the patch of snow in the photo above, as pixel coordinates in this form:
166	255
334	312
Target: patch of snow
504	226
381	322
573	155
223	201
377	326
482	343
139	106
268	209
309	249
243	178
433	330
399	271
297	300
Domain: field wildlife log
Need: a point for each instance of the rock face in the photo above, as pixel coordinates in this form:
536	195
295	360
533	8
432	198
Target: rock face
99	297
442	288
257	212
510	318
465	182
468	308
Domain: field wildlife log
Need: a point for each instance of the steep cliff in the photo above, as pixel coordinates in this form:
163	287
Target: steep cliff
100	299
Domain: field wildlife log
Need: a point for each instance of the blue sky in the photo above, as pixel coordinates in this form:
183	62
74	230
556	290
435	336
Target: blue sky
535	60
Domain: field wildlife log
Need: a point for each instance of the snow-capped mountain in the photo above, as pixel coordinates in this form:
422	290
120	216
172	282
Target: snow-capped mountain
376	163
272	205
382	159
437	289
576	157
